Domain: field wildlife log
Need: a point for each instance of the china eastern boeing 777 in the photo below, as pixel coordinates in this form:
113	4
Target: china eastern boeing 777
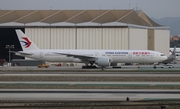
103	58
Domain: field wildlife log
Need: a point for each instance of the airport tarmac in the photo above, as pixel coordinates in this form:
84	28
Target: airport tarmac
144	71
98	74
88	85
74	83
88	94
74	68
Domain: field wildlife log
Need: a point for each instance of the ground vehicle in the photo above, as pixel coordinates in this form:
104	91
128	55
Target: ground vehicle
167	66
43	66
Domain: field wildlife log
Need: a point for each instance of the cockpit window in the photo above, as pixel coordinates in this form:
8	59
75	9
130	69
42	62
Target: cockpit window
162	55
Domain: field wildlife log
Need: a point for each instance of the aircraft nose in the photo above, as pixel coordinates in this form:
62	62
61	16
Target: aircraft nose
165	58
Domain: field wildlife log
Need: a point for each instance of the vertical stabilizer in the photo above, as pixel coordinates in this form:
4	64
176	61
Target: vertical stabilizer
25	42
174	51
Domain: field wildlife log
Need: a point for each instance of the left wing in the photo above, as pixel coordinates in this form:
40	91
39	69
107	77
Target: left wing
82	57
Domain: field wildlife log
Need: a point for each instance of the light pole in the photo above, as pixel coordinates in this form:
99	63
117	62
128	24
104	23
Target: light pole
9	47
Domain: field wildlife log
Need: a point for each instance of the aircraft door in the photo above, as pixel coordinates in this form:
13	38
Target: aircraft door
96	54
130	55
152	55
41	55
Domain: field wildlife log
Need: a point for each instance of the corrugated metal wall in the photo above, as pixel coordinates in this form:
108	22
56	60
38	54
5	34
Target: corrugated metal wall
161	41
138	39
115	38
52	38
89	38
79	38
63	38
150	39
100	38
40	36
124	39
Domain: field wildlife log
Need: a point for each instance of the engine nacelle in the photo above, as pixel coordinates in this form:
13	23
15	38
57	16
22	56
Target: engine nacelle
104	62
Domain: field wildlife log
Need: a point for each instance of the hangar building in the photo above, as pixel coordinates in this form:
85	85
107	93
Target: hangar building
83	29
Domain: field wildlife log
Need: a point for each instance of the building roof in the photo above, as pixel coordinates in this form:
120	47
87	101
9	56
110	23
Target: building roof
75	17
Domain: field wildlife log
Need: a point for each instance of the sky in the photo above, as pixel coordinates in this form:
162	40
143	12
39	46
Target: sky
153	8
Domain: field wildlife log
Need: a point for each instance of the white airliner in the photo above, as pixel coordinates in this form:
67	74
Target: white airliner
102	58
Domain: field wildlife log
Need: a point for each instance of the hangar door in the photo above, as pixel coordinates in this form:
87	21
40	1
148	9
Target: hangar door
9	37
138	39
162	41
52	38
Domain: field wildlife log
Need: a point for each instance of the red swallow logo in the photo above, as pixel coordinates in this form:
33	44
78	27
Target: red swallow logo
27	43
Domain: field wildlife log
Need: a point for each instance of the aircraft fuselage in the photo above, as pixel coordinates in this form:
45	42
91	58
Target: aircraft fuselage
117	56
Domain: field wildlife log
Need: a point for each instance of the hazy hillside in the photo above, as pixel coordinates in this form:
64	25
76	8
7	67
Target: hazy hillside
173	22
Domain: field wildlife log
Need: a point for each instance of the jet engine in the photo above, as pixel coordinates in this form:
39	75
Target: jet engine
104	62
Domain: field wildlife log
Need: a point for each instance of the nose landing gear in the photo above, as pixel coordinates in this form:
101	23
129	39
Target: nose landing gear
154	66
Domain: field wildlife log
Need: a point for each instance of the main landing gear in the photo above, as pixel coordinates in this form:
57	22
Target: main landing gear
87	66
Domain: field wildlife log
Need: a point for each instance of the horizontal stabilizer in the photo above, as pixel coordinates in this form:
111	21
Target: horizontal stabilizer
22	53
